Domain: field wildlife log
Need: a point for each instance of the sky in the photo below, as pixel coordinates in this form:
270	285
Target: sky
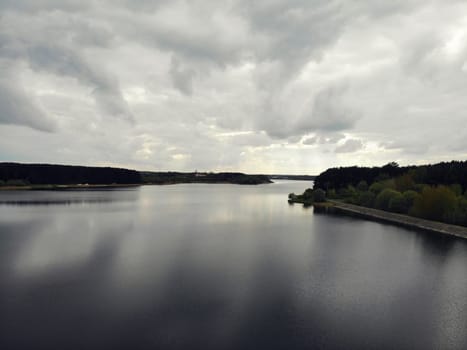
276	86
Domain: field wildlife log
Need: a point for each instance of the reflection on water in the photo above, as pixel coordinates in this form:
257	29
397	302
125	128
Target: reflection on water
67	197
220	266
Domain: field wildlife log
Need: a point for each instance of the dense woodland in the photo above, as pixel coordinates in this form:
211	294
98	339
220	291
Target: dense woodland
293	177
177	177
446	173
15	174
435	192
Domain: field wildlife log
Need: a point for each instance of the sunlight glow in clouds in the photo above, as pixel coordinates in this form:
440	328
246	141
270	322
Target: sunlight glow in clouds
286	86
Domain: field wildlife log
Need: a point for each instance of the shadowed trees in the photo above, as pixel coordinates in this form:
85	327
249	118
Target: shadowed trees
15	174
446	173
435	192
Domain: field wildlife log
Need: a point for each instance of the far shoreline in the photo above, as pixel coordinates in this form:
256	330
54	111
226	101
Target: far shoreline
64	187
105	186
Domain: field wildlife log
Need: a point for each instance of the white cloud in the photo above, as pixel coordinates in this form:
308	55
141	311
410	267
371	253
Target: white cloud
19	107
350	146
264	86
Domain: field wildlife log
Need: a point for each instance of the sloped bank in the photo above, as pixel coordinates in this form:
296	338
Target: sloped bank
396	219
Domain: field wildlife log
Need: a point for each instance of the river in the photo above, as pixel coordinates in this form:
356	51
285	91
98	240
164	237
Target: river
219	267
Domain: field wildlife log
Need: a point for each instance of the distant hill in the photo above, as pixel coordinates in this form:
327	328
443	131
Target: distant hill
151	177
293	177
15	174
445	173
20	175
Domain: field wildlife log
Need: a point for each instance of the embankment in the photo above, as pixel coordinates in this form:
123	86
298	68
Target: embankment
400	220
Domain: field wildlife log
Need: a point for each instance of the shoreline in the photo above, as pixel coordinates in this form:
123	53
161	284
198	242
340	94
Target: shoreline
399	219
64	187
98	186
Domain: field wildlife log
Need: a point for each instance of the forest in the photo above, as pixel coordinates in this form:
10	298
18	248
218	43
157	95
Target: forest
16	174
160	178
20	175
435	192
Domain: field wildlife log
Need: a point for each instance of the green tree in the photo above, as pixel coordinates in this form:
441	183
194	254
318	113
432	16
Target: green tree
319	195
435	203
362	186
404	183
308	194
379	186
419	174
331	193
382	200
456	188
376	187
347	192
397	204
366	199
409	198
458	215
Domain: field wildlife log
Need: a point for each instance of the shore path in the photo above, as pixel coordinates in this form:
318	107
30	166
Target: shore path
401	220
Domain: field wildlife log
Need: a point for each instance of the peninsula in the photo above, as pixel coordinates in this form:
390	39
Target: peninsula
51	176
431	197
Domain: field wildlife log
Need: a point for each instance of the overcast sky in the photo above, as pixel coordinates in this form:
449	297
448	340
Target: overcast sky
276	86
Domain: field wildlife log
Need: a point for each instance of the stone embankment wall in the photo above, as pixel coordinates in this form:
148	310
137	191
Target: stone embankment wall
401	220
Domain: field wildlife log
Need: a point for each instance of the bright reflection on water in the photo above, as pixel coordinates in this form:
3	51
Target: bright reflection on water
219	267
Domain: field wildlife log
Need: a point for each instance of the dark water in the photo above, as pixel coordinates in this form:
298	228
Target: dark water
219	267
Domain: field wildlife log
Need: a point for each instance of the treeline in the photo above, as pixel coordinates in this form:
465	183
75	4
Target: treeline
293	177
435	192
309	197
15	174
162	178
446	173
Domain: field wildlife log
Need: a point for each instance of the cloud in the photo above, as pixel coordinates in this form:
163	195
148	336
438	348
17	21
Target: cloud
182	78
350	146
43	5
17	107
329	112
237	85
66	62
57	56
321	139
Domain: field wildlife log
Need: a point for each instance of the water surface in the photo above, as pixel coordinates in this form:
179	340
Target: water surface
219	267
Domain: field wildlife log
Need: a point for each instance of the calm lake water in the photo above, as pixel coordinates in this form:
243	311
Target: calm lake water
219	267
